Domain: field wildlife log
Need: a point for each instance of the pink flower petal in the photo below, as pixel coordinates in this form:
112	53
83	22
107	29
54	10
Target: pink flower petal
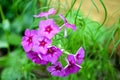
71	59
27	32
80	55
48	28
71	69
34	56
56	69
62	17
41	43
70	26
52	54
51	11
27	40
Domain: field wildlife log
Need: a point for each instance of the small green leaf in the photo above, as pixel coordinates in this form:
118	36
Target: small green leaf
3	44
6	25
10	74
14	39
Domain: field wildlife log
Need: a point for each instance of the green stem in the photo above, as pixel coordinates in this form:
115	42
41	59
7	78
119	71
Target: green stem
58	7
1	12
7	37
78	11
49	3
95	5
70	8
7	33
105	10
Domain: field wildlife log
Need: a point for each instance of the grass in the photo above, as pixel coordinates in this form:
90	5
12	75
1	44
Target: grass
95	38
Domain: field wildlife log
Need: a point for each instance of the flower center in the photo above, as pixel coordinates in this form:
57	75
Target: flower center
71	62
42	43
58	68
48	29
29	40
71	66
78	56
50	51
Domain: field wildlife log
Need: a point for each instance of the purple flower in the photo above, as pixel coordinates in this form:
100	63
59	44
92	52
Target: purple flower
41	43
72	67
56	70
27	40
36	58
68	25
48	28
51	11
52	54
80	55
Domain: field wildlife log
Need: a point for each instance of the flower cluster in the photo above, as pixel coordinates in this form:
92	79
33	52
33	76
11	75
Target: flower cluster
39	49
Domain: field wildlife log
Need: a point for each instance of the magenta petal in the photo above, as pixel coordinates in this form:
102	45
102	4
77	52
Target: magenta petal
58	73
54	59
51	68
26	47
80	55
53	50
52	54
48	28
41	43
70	26
52	11
34	56
71	69
27	32
56	69
38	49
42	14
27	40
62	17
71	59
34	32
76	69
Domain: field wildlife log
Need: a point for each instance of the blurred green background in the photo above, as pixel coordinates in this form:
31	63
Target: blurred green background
101	42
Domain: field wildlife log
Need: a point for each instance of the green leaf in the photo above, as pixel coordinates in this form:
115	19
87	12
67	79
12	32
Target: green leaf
3	44
6	25
3	61
14	39
10	74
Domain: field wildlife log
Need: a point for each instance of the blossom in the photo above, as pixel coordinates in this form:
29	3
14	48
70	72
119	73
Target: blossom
68	25
41	43
27	40
39	49
56	69
52	54
72	67
48	28
79	55
36	58
51	11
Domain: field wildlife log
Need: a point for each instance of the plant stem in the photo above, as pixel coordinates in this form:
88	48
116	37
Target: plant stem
1	12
